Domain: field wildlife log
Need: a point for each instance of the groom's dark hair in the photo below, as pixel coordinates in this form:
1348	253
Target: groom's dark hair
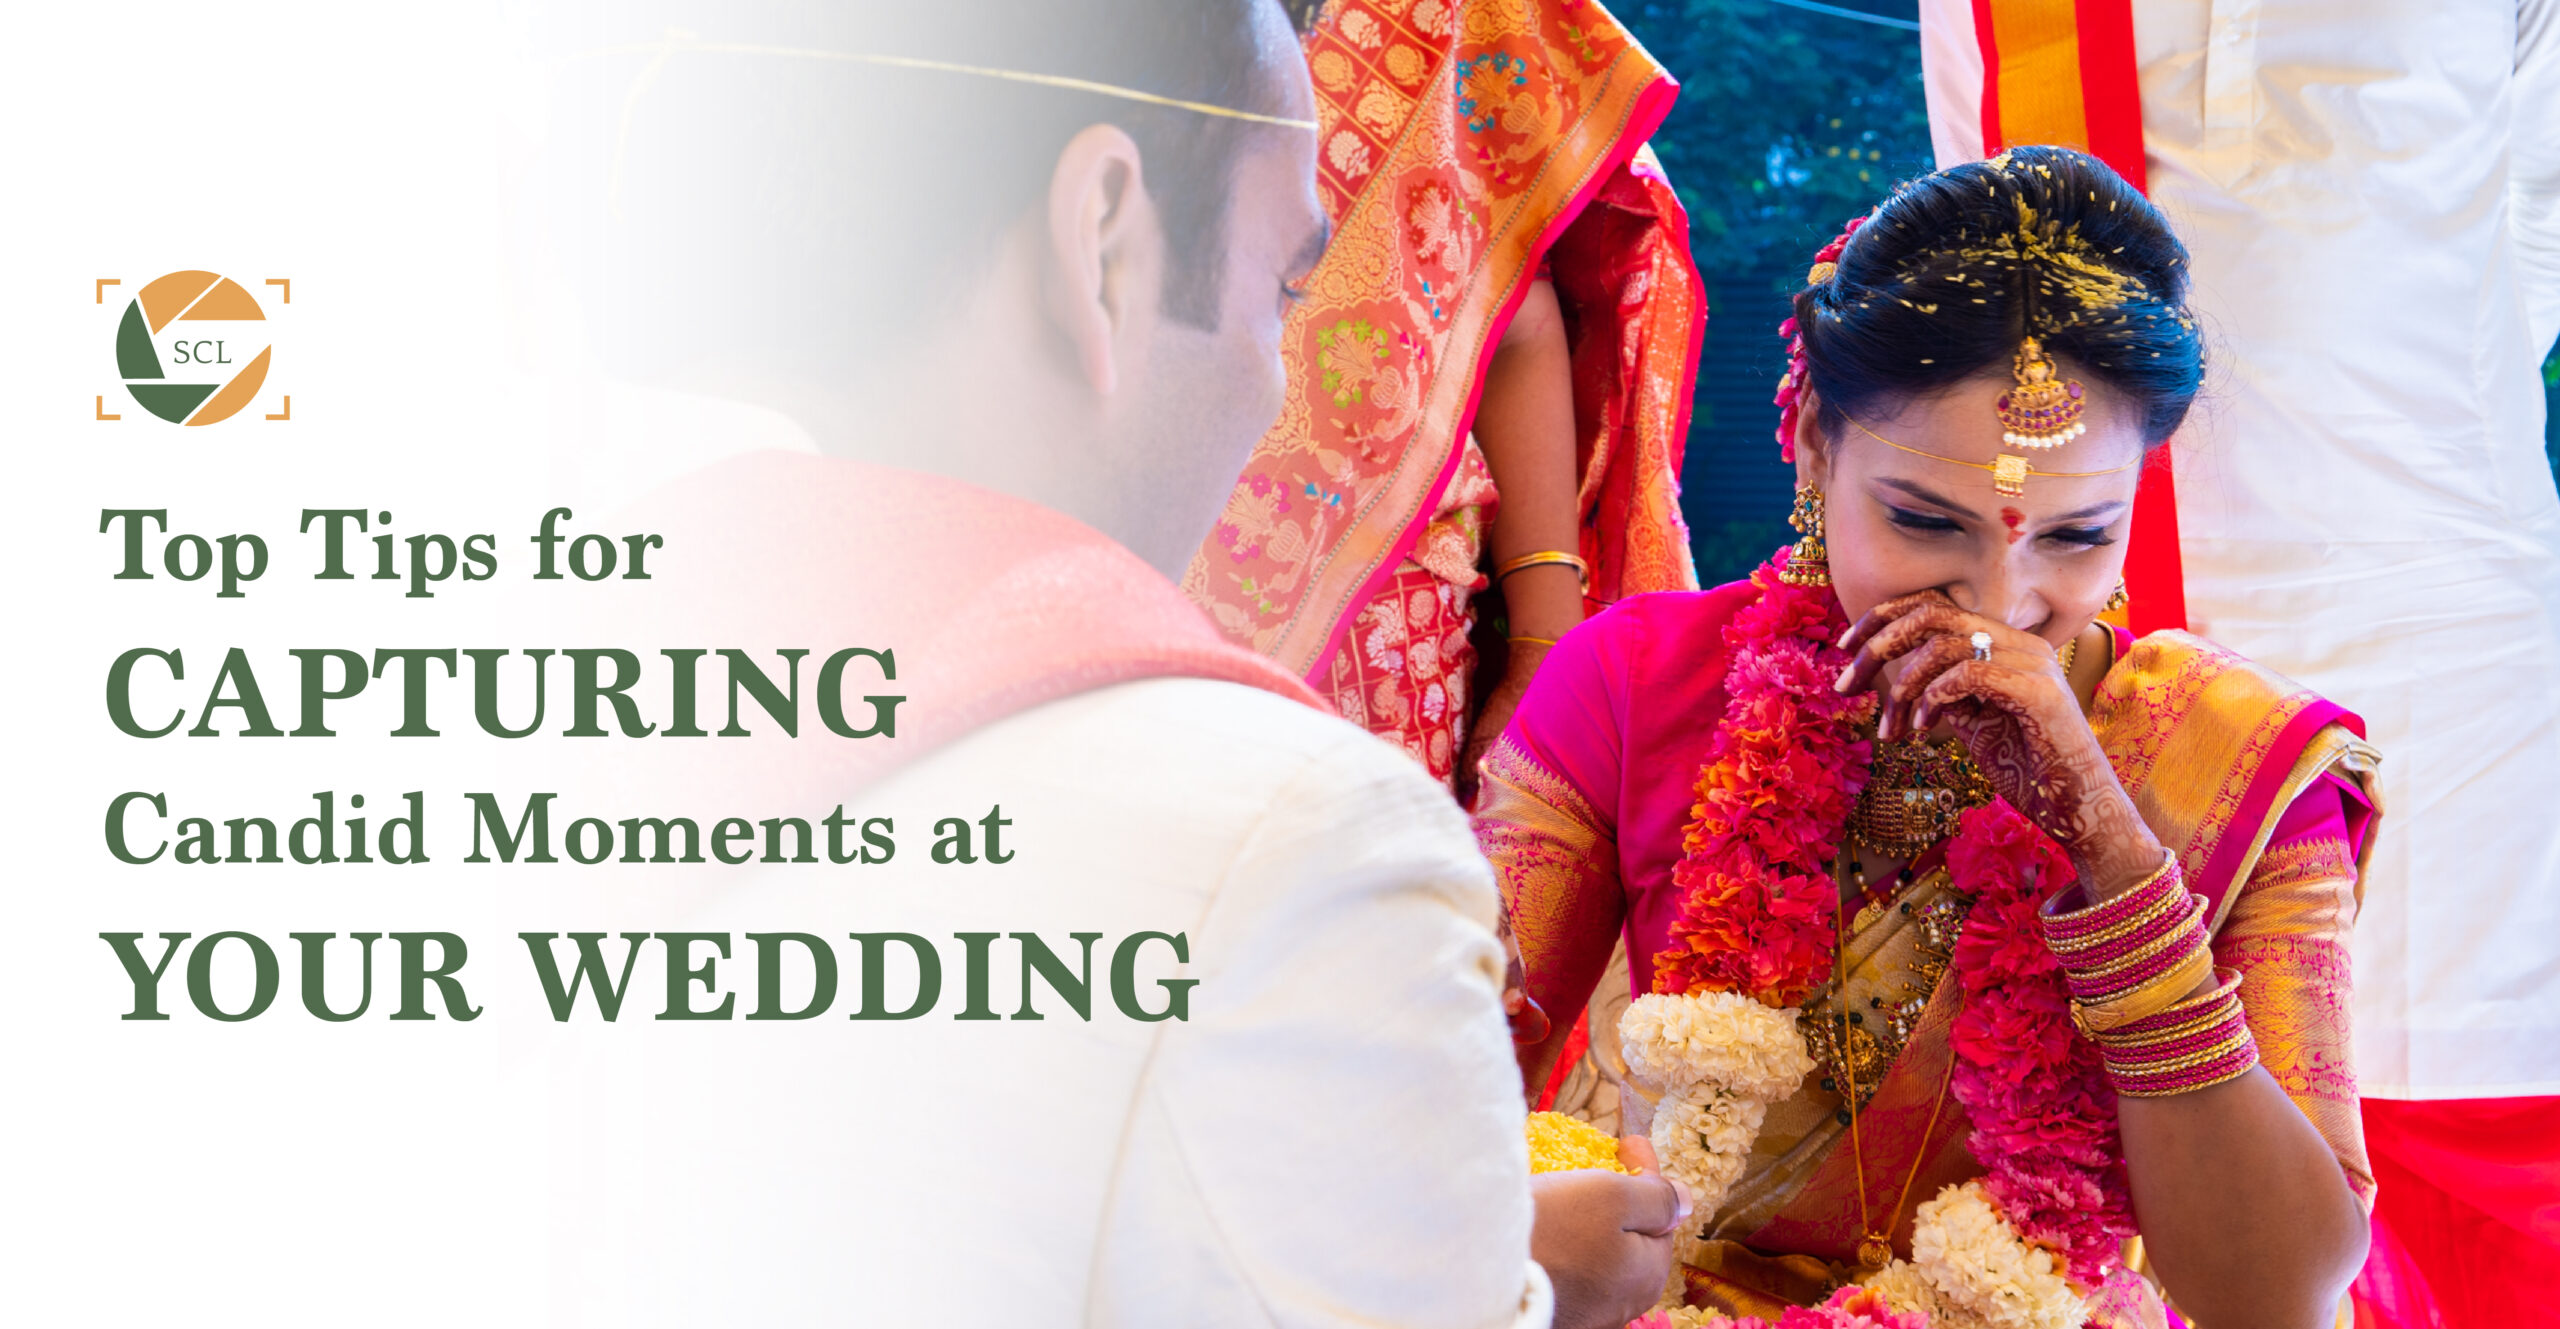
720	161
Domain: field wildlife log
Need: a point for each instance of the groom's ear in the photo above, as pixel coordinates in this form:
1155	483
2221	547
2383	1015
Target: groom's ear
1104	250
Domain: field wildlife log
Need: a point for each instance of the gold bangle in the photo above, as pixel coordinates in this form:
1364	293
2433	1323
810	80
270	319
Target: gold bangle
2096	1018
2186	1028
2172	1091
1541	558
1534	641
2193	1015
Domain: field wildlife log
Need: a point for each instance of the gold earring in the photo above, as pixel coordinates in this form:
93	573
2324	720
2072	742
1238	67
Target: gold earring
1809	564
2118	598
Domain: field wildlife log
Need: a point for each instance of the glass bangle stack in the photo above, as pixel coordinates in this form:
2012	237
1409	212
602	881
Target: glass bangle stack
2134	963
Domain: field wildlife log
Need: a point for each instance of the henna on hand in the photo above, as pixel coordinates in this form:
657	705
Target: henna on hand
2016	715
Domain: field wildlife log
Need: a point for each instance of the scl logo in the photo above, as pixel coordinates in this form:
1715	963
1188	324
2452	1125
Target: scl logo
193	347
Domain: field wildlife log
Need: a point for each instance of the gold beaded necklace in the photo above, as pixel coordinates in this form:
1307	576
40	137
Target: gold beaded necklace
1875	1248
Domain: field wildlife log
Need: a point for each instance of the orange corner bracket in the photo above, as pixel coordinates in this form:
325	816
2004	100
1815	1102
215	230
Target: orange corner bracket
102	410
287	412
286	283
104	283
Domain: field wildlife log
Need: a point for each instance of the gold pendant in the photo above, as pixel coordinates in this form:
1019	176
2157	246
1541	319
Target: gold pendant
2044	410
1916	791
2009	475
1848	1052
1875	1252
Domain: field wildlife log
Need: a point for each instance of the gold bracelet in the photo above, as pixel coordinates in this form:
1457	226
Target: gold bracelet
1542	558
1534	641
2096	1018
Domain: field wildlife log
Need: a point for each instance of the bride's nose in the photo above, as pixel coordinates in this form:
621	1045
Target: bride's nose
1999	592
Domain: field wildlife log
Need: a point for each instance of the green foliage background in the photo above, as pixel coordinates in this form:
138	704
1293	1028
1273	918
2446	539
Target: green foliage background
1788	123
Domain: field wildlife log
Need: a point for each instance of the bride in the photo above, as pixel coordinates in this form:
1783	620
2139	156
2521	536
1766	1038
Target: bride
1971	939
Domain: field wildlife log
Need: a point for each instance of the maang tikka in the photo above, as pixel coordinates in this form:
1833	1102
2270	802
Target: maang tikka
2044	410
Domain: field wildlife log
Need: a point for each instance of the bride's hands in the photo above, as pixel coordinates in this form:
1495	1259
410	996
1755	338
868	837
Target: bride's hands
2017	715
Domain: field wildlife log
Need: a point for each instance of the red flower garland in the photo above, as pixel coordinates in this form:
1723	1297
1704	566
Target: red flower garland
1758	915
2044	1116
1757	905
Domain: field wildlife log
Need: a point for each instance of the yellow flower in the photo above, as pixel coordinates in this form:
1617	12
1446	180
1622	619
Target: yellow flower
1558	1143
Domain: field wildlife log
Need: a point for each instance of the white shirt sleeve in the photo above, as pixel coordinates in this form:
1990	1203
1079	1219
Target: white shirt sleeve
2535	146
1334	1136
1951	76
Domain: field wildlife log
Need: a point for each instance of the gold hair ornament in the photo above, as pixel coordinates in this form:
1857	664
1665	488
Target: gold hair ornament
2008	473
2044	410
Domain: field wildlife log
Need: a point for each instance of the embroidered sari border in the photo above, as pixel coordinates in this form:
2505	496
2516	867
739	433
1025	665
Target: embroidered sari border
1303	651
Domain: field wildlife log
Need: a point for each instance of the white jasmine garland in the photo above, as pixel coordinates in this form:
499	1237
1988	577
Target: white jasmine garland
1905	1288
1981	1271
1723	1039
1719	1060
1703	1136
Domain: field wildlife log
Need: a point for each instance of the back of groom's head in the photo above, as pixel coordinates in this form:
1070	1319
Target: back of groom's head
724	154
746	185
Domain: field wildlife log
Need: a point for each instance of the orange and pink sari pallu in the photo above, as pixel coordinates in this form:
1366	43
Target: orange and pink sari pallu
1464	145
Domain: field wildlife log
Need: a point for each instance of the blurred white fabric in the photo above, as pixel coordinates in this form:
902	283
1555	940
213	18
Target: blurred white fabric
1332	1138
2371	191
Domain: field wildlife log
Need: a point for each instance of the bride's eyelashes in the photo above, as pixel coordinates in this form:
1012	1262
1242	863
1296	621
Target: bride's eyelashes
1930	524
1924	523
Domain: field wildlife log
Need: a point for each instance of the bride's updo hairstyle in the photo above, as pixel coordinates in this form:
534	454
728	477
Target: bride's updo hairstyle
1945	279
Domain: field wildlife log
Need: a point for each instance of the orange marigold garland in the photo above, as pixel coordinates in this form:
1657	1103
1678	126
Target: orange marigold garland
1757	913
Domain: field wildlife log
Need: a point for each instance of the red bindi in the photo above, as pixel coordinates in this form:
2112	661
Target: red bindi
2014	519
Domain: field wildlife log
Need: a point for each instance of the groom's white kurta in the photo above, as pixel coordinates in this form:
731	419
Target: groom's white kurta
1333	1138
2371	192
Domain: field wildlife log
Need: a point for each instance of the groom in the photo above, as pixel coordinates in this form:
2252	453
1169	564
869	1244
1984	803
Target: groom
1032	331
